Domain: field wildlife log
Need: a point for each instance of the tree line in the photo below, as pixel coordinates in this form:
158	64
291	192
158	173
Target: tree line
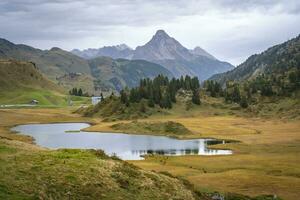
78	92
161	91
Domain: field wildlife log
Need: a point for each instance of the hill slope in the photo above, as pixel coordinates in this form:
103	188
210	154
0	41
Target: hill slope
16	75
20	82
275	60
53	63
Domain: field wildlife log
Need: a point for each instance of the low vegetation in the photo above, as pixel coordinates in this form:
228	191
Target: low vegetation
111	109
168	128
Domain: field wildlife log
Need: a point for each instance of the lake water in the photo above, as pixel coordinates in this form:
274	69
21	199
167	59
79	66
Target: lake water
125	146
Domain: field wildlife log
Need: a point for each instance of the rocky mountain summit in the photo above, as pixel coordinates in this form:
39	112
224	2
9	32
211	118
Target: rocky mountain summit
168	52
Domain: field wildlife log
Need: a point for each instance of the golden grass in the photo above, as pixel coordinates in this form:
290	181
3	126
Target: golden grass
266	161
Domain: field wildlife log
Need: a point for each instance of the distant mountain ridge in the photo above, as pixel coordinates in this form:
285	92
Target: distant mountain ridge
117	51
54	62
69	70
276	60
168	52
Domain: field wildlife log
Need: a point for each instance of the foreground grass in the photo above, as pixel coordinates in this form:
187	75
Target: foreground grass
78	174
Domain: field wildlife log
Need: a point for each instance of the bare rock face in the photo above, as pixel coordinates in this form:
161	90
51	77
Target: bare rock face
117	51
168	52
201	52
162	47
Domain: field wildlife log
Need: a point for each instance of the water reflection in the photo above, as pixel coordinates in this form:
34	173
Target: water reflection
125	146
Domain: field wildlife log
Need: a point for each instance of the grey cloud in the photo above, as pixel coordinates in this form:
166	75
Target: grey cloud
41	22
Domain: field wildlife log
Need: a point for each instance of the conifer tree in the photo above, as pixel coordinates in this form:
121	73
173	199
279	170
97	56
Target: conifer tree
79	92
124	98
243	102
196	97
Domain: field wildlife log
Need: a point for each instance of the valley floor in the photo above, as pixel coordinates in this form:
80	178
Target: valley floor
266	159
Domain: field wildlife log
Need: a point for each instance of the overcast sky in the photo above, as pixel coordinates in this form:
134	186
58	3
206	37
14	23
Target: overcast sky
231	30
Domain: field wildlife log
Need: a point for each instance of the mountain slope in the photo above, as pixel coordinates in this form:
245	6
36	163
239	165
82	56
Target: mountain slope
20	82
201	52
167	51
120	73
53	63
278	59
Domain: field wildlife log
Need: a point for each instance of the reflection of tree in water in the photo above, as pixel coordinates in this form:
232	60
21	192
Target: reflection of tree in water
168	152
201	150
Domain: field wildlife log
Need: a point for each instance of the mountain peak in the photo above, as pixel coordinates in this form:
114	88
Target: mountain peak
123	47
161	33
161	47
55	49
201	52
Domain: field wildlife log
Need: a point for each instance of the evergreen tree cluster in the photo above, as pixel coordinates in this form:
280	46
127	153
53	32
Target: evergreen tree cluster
266	85
276	84
78	92
214	88
161	91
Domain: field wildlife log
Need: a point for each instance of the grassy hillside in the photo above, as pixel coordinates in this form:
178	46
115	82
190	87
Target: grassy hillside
15	75
53	63
21	82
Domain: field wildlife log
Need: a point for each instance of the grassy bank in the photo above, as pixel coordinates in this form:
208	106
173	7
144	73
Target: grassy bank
168	128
